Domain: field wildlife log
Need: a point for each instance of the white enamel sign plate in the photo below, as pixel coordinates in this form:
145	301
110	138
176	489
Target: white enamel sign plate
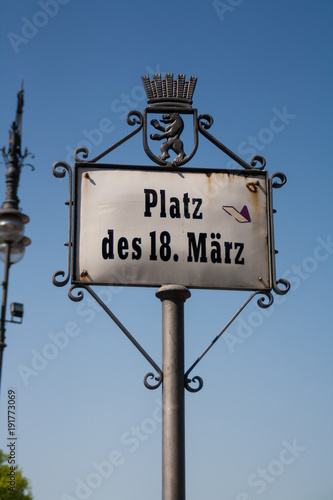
200	228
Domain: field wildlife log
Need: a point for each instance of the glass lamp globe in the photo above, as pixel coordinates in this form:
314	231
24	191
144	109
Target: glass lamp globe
17	250
11	227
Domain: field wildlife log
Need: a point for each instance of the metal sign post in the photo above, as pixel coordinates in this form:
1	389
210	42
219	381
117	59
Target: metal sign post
173	424
173	228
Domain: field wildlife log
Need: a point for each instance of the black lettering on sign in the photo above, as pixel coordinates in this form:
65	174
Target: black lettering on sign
215	254
165	248
153	255
122	247
107	246
227	248
198	202
137	252
162	213
150	201
172	206
199	249
238	259
186	201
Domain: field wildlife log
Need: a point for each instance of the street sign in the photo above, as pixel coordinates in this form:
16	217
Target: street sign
174	228
148	226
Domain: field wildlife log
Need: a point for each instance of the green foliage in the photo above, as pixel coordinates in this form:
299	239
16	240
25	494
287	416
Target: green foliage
13	485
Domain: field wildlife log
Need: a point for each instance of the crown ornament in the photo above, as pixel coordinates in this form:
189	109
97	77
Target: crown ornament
169	92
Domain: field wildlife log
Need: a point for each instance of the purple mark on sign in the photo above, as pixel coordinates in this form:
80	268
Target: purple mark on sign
242	216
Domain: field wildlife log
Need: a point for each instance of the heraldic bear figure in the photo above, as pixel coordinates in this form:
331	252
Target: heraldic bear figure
171	132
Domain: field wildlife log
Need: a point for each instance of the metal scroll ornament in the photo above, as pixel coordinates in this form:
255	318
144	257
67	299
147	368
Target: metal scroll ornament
163	122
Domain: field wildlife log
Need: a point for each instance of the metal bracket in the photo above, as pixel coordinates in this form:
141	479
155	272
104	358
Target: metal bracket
261	303
202	123
149	375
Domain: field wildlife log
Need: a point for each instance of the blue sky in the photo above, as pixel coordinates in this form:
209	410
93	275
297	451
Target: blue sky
266	404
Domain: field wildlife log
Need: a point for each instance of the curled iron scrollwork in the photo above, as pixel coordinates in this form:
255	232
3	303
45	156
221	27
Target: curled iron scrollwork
79	296
260	159
151	375
59	170
262	300
283	282
137	120
60	282
196	379
281	176
205	121
61	173
84	151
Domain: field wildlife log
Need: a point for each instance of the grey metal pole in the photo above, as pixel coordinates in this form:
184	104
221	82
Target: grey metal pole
173	427
11	218
4	307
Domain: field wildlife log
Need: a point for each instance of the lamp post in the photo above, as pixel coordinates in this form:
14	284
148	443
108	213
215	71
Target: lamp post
12	220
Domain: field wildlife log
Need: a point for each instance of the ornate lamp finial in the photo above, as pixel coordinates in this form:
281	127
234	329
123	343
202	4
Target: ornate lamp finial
14	159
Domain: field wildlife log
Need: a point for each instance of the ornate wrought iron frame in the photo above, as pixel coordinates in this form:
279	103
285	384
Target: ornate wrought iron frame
202	124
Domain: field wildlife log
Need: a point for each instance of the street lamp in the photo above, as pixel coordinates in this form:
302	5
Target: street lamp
12	220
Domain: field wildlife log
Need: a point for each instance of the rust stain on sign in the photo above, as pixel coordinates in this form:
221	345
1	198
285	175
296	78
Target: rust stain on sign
252	186
88	180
